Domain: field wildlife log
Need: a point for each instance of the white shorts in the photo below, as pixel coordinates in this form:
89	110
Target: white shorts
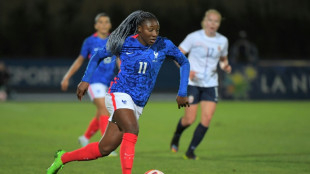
97	90
120	100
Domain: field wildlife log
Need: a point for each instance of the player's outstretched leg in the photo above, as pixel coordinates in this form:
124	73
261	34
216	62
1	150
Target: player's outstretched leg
87	153
57	164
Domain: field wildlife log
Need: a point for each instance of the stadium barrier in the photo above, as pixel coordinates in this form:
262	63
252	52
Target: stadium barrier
269	80
265	81
45	75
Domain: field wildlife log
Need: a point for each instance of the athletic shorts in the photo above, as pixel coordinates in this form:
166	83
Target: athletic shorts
197	94
97	90
118	100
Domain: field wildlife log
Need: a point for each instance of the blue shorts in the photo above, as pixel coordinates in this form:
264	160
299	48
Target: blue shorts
197	94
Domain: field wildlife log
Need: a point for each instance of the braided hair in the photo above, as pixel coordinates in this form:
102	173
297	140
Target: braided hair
126	28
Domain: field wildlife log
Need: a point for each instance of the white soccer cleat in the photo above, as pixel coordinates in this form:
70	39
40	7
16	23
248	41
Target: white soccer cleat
83	140
112	154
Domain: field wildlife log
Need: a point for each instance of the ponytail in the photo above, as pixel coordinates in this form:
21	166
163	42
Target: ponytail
126	28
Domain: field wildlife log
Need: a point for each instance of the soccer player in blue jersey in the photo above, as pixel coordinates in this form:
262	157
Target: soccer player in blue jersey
101	78
142	53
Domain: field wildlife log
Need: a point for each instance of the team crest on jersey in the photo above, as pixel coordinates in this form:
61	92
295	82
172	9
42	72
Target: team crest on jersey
129	53
155	56
107	60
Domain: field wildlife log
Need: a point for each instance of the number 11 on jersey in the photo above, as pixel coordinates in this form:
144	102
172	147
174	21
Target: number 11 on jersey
142	67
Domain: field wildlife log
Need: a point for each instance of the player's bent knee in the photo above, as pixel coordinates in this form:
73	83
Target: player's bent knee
206	122
133	130
188	121
106	149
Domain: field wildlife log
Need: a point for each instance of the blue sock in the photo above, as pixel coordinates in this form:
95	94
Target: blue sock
177	134
180	128
197	137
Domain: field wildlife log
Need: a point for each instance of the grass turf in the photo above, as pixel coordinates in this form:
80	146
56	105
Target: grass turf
244	137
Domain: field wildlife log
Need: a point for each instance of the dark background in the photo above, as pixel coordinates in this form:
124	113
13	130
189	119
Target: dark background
55	29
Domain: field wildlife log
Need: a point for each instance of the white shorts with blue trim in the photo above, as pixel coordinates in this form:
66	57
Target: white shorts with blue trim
97	90
118	100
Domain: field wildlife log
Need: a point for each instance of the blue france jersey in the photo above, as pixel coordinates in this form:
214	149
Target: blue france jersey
105	72
140	66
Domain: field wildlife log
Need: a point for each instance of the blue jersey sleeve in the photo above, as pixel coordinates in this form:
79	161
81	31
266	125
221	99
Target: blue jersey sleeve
85	49
179	57
98	55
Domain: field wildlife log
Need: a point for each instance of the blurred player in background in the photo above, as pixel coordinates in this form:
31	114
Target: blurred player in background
142	53
206	48
4	81
101	78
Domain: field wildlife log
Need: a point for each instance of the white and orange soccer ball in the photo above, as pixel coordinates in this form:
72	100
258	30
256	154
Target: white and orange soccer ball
154	171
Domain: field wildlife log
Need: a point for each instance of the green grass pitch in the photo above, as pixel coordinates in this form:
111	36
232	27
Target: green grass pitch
244	137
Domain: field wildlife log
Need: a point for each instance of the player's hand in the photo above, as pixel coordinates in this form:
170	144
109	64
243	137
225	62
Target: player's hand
182	101
192	75
227	69
64	84
81	89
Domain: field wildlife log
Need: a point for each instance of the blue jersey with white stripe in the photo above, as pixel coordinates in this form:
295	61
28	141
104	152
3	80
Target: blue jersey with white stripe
105	72
140	66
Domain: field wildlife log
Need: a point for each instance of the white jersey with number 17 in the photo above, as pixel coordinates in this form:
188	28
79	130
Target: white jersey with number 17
204	53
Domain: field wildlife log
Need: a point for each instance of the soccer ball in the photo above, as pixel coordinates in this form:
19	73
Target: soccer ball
154	171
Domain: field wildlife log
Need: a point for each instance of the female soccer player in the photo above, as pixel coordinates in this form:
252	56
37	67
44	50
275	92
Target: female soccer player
206	48
101	79
142	53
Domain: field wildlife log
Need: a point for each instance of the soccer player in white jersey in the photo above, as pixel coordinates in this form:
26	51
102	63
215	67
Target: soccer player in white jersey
206	48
